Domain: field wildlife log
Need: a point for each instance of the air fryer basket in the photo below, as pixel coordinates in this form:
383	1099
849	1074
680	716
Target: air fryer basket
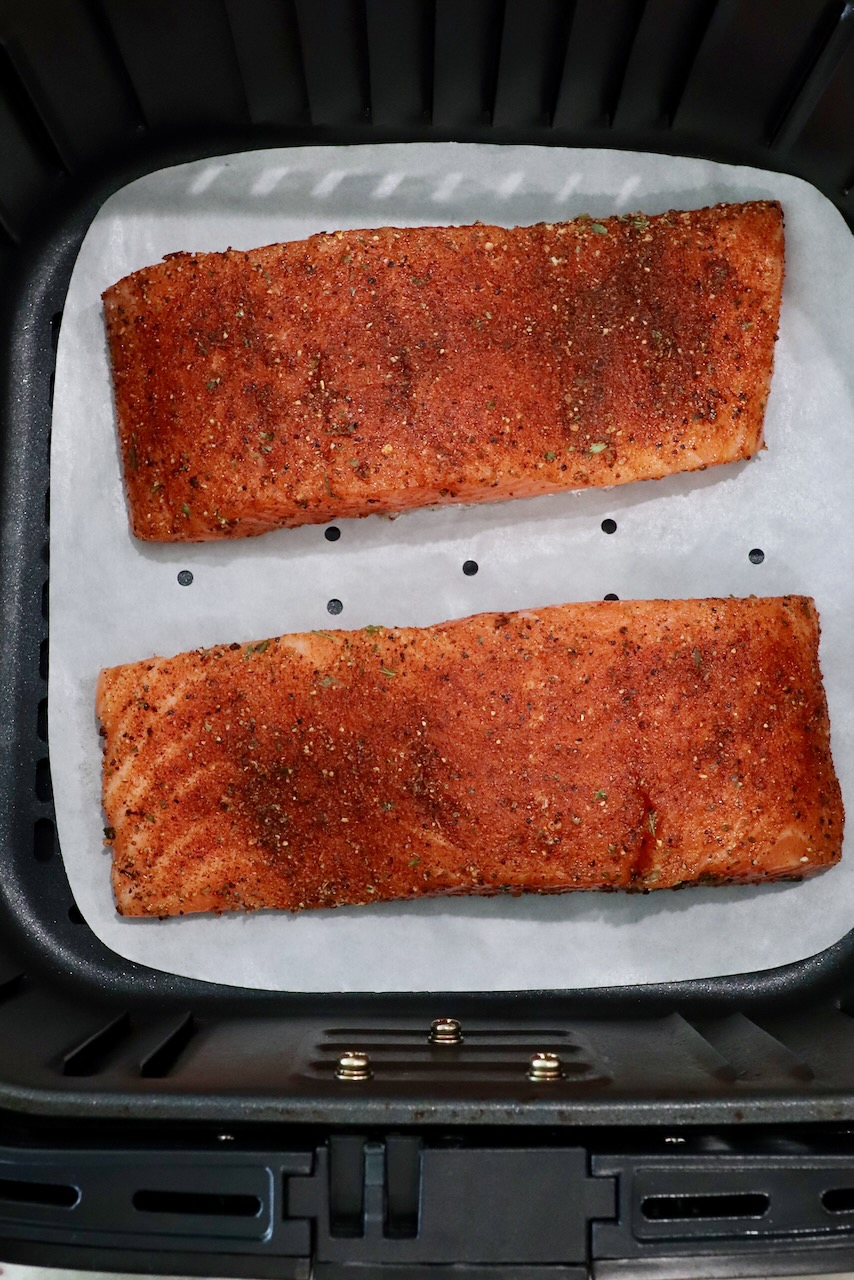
168	1124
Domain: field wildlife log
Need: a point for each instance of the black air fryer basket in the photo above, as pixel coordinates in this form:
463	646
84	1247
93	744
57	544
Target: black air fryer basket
154	1123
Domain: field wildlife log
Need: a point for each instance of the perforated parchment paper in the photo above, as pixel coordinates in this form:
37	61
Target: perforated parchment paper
115	600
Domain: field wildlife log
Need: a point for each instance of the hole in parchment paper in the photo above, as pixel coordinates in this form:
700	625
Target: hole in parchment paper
756	556
334	606
609	526
332	534
75	915
610	596
185	577
470	568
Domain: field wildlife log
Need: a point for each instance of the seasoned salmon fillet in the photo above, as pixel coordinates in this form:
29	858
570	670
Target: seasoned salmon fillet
617	745
376	371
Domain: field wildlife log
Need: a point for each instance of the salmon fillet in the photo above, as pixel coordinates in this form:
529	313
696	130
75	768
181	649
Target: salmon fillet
376	371
616	745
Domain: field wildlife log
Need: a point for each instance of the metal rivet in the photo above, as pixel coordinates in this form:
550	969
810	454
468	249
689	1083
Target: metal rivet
353	1065
446	1031
545	1066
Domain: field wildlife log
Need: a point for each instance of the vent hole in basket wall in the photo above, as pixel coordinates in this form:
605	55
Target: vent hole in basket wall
839	1200
185	578
44	840
744	1204
334	607
44	786
56	1194
164	1057
200	1202
41	720
756	556
470	568
611	596
609	526
332	534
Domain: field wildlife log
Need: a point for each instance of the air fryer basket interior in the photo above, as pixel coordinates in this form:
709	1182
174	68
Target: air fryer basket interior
96	92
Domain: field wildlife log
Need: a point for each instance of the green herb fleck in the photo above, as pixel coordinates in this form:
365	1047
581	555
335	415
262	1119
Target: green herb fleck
640	222
267	276
328	681
109	833
599	447
413	862
490	404
261	647
386	672
697	659
149	817
157	486
550	455
387	805
213	382
372	629
325	635
186	510
652	818
599	228
656	333
600	795
208	726
133	459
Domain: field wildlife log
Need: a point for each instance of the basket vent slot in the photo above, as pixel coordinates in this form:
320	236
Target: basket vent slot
55	1195
209	1204
44	786
17	97
162	1060
87	1058
839	1200
44	840
746	1204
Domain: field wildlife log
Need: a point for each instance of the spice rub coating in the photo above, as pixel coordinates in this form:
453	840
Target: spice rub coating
377	371
617	745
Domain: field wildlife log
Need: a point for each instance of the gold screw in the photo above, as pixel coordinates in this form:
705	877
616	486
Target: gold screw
446	1031
353	1065
545	1067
